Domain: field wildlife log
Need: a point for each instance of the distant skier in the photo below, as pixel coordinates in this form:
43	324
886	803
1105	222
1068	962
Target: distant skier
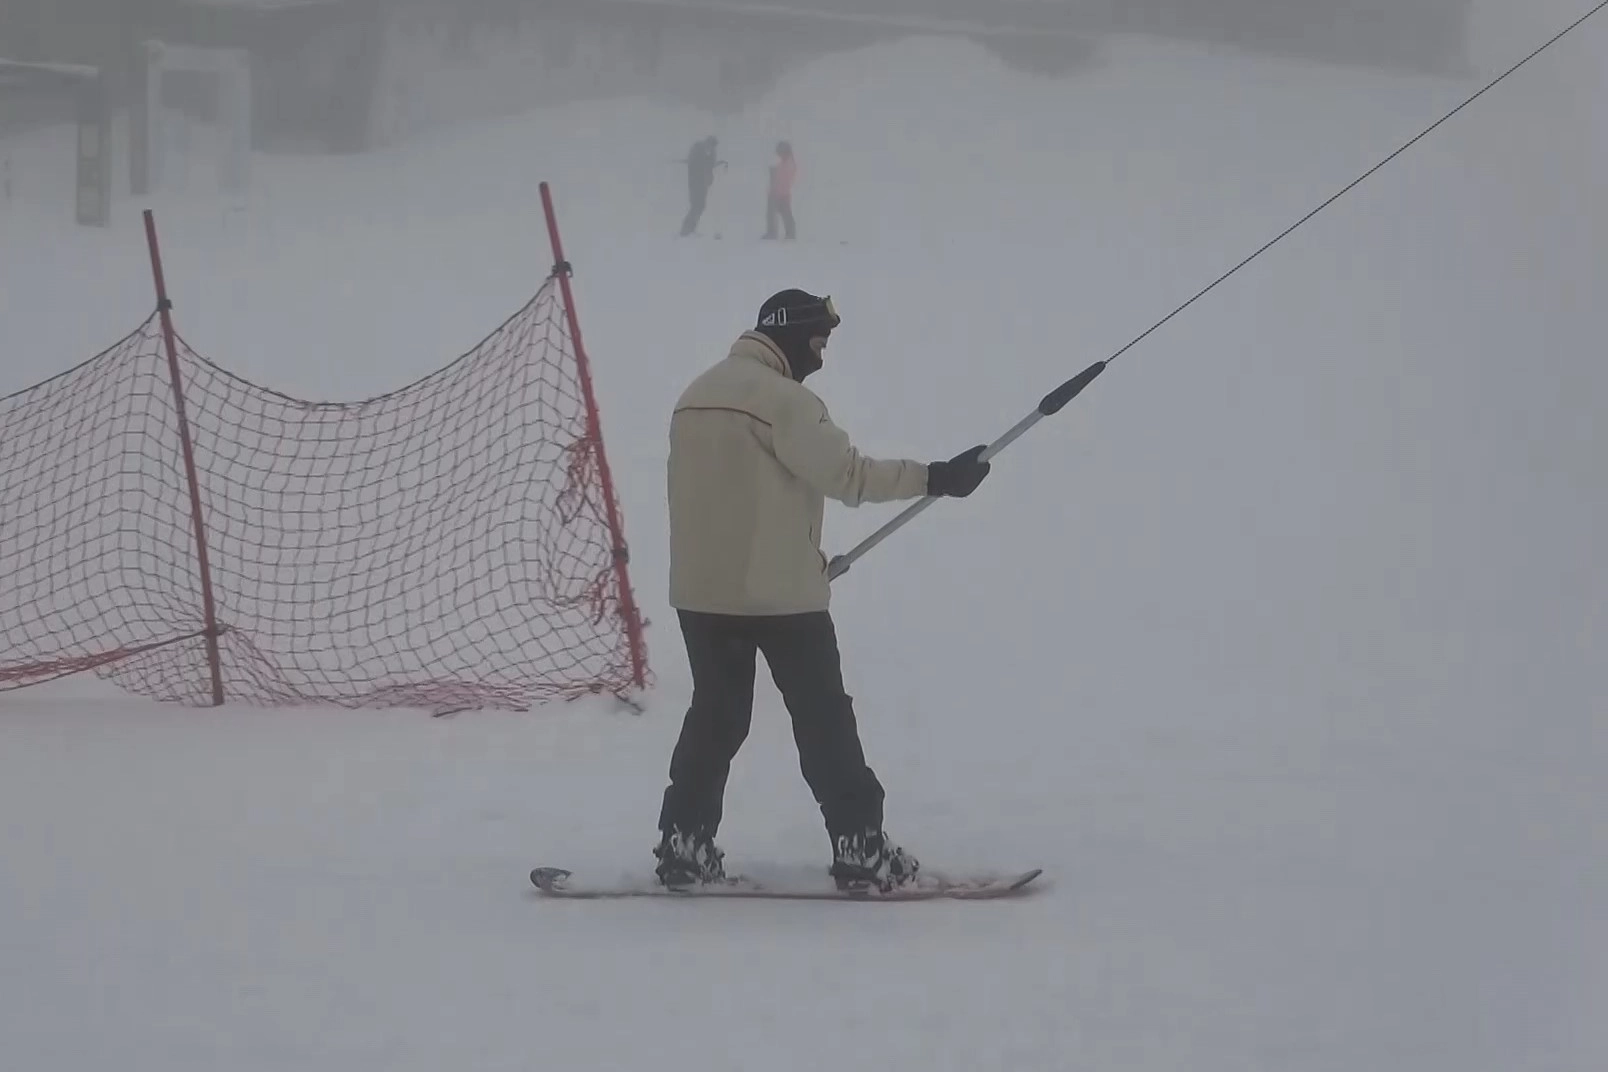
779	202
701	164
753	456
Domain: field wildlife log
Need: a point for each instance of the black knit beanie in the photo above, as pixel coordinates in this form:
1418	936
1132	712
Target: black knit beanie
790	319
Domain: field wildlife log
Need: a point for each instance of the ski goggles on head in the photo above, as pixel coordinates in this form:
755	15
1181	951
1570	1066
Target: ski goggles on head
808	314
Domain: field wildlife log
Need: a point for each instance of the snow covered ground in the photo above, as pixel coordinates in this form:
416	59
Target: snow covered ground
1280	649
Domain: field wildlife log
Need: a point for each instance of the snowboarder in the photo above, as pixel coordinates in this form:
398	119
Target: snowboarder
779	202
701	164
753	456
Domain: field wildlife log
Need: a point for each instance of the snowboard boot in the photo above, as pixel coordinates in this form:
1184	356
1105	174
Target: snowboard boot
870	861
687	860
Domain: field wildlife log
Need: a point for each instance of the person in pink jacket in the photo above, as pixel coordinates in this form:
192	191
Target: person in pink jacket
780	201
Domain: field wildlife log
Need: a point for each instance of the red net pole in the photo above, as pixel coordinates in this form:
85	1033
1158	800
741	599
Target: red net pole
442	545
594	431
208	609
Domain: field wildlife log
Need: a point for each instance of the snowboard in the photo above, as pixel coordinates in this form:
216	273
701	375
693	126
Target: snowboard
559	882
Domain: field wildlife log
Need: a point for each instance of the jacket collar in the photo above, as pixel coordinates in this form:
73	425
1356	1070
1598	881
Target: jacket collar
753	346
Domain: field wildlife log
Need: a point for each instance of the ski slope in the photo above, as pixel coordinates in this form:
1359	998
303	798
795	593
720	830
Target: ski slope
1280	649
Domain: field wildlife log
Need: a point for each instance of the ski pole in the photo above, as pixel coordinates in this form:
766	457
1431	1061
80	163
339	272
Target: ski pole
1048	405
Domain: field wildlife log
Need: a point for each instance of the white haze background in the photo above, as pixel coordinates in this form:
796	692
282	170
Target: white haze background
1280	649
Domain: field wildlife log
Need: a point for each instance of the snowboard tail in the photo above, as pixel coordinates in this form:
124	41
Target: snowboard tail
559	882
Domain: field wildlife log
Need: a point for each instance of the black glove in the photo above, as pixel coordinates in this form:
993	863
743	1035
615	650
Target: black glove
959	476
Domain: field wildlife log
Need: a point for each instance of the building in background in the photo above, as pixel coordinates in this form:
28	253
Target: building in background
345	75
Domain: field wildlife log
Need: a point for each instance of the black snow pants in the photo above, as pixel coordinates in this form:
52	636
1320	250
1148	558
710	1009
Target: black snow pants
697	201
779	208
802	653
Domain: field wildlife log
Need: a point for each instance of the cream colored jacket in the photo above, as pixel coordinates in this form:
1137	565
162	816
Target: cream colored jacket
753	456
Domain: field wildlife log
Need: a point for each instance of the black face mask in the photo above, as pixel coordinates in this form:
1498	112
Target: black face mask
791	320
794	343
